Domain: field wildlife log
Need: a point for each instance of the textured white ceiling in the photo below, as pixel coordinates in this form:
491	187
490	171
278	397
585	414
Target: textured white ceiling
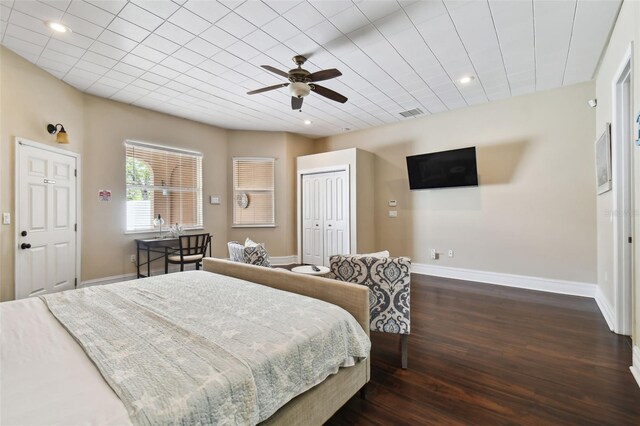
198	58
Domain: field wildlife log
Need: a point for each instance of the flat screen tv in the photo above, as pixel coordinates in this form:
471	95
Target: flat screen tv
443	169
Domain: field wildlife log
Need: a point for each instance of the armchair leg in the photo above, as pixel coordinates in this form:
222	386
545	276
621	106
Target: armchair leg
404	339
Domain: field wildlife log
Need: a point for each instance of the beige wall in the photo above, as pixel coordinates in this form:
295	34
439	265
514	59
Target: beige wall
31	98
534	211
279	240
106	249
626	31
97	129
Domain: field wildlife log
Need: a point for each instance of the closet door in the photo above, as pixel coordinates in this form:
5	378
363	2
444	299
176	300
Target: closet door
335	188
312	223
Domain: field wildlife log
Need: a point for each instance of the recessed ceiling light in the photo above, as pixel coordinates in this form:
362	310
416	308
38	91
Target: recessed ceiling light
466	79
307	122
57	27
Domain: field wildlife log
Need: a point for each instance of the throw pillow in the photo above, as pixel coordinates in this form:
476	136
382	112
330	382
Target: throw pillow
257	255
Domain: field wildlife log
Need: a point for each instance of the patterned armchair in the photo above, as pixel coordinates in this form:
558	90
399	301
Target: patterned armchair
388	279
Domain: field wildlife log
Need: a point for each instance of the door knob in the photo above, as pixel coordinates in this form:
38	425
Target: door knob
24	246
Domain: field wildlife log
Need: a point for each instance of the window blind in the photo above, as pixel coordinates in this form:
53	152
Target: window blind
165	181
253	191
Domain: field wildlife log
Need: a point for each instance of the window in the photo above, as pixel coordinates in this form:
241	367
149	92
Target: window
162	181
253	191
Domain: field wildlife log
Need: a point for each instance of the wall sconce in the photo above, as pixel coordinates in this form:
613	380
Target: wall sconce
62	134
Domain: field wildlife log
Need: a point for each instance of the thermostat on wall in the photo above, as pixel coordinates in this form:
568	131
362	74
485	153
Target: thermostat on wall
393	203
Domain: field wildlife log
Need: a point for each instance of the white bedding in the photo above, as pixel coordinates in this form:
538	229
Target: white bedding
47	378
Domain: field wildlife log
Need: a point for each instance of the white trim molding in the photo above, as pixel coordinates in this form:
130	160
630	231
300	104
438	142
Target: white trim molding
572	288
635	368
605	308
284	260
108	280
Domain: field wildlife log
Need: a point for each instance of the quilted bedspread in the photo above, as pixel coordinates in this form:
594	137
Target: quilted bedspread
201	348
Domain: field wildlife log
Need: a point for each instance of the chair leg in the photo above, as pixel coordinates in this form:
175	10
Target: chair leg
166	264
404	338
182	267
197	266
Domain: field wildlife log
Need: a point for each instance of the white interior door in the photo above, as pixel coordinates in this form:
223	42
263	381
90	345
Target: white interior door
336	214
312	222
325	216
46	258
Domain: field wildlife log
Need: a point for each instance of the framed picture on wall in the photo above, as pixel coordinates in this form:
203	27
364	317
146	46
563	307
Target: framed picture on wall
603	161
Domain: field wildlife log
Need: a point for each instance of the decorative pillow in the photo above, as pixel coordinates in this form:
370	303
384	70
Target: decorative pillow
384	253
250	243
236	251
257	255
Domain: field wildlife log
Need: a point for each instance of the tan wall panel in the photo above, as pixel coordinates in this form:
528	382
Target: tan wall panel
106	248
30	98
534	211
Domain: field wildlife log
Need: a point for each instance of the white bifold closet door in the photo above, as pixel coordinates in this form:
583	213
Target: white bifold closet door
325	216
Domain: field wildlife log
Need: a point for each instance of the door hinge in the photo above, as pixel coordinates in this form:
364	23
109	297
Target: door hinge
75	227
630	240
75	172
75	283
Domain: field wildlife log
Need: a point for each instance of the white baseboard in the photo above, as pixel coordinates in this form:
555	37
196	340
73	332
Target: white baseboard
107	280
635	368
605	308
573	288
283	260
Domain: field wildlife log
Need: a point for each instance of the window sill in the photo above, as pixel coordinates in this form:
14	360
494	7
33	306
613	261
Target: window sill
254	226
164	230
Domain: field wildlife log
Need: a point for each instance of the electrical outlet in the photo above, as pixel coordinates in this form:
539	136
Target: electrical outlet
450	253
133	258
434	255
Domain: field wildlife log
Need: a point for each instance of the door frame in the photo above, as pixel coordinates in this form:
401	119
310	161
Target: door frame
19	143
622	187
314	171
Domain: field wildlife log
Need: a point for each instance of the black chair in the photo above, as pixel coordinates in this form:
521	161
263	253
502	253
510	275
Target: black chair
192	249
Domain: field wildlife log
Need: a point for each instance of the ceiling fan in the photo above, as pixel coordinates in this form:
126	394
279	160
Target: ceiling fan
302	82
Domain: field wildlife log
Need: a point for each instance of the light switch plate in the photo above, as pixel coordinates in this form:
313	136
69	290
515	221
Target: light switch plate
393	213
214	200
6	218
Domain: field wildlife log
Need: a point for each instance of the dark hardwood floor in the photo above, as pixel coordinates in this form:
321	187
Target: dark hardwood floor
491	355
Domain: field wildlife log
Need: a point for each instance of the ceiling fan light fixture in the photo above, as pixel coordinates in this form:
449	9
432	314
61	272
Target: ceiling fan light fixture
299	90
307	122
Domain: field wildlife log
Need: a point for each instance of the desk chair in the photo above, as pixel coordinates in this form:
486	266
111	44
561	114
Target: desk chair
192	249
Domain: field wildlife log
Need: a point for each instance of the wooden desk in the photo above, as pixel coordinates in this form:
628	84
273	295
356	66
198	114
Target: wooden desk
157	246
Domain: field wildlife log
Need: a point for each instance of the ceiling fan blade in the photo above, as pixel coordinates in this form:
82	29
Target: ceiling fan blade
324	75
275	70
328	93
266	89
296	103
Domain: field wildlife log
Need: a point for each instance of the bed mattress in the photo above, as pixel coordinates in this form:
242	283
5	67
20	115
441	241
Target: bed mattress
47	376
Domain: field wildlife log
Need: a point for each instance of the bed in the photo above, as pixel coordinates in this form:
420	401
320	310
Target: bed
48	378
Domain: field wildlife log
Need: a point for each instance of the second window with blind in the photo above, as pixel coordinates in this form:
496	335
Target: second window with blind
253	192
